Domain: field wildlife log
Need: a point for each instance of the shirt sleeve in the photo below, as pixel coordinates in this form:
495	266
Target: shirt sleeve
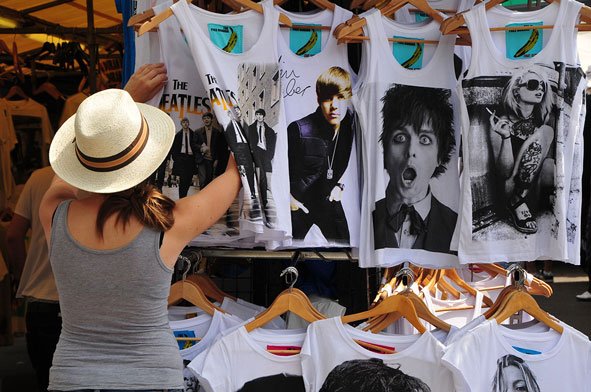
215	369
23	206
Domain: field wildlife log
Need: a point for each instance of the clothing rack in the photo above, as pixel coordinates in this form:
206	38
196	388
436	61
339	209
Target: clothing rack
326	255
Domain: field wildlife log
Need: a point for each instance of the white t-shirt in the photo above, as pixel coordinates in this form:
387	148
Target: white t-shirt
208	329
492	358
539	136
237	59
314	153
331	357
240	362
408	211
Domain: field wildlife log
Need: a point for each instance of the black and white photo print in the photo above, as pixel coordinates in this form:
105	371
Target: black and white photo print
319	150
513	375
512	152
371	375
418	142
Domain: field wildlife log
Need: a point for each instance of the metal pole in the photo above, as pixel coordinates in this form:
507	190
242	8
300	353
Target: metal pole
92	47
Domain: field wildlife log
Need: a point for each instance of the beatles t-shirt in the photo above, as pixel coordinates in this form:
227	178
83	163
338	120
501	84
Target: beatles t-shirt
237	60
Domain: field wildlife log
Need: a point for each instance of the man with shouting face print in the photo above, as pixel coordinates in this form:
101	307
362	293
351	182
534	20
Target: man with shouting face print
418	140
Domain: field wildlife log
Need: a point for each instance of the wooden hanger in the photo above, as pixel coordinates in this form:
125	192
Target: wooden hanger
394	303
405	277
159	18
352	29
452	274
50	89
16	91
289	300
209	288
140	18
453	25
517	299
4	48
189	291
534	285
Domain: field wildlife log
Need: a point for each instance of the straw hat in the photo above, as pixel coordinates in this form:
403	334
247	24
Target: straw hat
111	144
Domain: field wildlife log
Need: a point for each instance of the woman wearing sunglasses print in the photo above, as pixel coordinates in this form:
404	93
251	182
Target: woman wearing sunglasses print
521	140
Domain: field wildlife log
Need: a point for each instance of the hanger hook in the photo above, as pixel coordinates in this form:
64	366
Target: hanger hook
291	276
407	276
518	275
188	261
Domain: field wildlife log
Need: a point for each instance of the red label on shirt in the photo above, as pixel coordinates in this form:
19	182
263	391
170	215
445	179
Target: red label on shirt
295	349
378	348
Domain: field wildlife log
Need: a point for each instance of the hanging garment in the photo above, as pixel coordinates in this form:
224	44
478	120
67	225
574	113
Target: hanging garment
237	60
241	361
7	142
184	97
408	115
31	108
205	327
316	85
331	359
494	358
521	100
71	105
406	16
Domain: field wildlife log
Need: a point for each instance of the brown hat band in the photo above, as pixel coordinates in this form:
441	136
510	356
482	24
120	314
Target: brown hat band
119	160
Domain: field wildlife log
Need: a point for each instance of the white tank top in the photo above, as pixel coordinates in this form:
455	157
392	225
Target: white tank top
242	71
184	96
300	70
405	175
503	68
404	15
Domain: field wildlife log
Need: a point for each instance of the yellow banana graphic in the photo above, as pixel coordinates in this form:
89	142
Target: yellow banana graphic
415	56
231	42
309	45
531	42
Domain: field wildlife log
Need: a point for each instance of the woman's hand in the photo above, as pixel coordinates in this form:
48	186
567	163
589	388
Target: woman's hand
502	126
146	82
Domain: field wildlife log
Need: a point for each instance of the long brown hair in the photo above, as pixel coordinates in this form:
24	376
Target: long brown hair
144	201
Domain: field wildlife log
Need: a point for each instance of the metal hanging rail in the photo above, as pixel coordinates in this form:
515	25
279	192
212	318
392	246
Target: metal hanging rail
326	255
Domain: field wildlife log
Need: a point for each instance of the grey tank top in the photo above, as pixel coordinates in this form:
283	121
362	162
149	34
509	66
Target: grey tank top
115	331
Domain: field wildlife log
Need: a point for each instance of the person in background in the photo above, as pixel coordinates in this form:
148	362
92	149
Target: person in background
32	268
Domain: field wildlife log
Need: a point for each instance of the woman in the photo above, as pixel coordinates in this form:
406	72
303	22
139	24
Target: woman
513	375
113	251
521	141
